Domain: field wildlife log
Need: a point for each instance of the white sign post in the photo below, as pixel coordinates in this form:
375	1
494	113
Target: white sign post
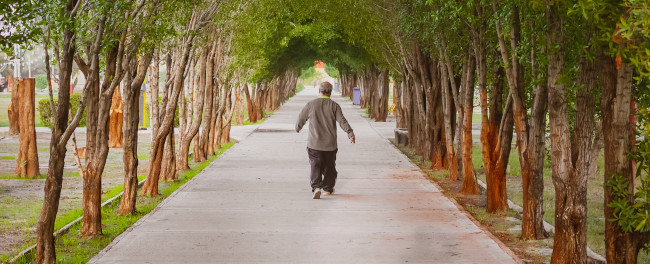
17	62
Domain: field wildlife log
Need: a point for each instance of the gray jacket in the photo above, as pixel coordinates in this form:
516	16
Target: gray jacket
323	114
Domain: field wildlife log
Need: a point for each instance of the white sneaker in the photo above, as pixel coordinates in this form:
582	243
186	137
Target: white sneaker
317	192
328	193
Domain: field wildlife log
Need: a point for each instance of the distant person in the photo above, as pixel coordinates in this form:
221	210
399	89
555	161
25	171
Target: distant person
323	114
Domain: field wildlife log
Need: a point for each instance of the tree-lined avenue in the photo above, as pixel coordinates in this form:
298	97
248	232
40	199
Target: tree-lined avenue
253	204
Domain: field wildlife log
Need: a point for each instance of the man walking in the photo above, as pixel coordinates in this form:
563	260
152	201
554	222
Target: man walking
323	114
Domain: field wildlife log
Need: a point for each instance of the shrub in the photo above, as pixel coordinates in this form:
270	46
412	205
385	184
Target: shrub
331	71
308	74
46	114
41	81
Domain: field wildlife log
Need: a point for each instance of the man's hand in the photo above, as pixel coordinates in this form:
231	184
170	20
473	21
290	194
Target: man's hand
352	140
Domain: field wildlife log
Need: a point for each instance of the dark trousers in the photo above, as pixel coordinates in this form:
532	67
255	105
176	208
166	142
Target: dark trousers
323	169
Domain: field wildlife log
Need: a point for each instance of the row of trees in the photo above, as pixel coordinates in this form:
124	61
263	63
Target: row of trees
581	66
117	44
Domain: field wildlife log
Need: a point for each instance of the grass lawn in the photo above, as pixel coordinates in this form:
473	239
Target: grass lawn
5	101
476	118
247	122
71	248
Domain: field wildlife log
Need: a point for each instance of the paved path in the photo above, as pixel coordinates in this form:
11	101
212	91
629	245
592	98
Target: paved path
254	205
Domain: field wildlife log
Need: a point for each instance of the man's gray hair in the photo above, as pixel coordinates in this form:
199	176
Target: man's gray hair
325	87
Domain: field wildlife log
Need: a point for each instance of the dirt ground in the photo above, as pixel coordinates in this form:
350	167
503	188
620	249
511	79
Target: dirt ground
506	226
21	199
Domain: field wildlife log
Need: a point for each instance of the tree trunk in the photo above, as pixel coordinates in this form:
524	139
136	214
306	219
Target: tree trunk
259	101
219	130
228	109
198	154
99	104
45	249
570	169
204	144
154	93
447	105
382	106
537	147
151	182
215	116
616	83
252	115
496	132
238	115
115	136
569	158
157	147
459	101
436	119
169	171
470	185
130	157
133	84
532	219
193	128
185	111
14	110
398	90
61	131
27	160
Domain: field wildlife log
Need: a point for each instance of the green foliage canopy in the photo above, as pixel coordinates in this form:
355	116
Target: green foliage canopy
272	36
18	24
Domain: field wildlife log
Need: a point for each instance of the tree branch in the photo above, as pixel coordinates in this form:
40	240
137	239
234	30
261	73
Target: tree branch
83	66
63	140
48	72
76	8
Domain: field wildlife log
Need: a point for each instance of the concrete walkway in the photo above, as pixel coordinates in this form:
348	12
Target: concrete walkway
254	205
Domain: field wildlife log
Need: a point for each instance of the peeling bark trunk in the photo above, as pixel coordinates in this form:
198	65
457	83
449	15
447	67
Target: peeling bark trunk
100	93
14	110
198	155
459	100
399	106
227	117
532	222
252	113
132	86
61	131
447	104
27	160
219	130
470	185
130	156
240	109
154	76
150	187
169	172
570	159
215	116
115	136
616	83
193	127
382	102
496	131
204	144
537	147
